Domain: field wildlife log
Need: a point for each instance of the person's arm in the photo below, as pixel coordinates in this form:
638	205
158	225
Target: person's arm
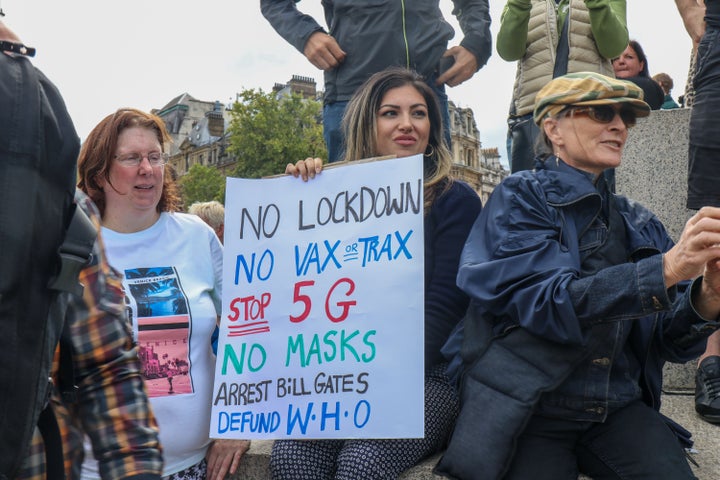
693	17
474	19
113	406
609	26
476	46
530	251
303	32
667	285
512	36
518	242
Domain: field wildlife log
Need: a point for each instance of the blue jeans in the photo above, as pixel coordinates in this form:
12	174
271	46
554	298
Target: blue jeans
332	130
444	109
332	123
633	442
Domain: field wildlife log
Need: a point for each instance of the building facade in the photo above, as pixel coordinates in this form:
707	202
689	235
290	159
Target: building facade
199	133
479	167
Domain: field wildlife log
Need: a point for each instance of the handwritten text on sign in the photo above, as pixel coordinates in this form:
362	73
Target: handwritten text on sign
322	327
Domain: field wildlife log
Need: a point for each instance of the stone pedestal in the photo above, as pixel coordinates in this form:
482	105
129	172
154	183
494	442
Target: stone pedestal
654	173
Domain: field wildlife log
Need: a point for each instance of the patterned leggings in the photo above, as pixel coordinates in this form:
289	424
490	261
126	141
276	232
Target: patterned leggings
193	472
383	459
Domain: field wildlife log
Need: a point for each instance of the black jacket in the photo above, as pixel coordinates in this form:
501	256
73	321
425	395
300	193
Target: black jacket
38	151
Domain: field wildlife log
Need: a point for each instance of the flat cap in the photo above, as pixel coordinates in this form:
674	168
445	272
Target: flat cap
587	88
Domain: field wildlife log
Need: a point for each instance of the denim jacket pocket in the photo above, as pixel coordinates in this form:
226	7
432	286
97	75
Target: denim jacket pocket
593	238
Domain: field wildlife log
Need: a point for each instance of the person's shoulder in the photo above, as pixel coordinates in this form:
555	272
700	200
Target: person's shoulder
188	221
522	189
654	94
193	226
645	83
524	180
462	188
461	192
185	218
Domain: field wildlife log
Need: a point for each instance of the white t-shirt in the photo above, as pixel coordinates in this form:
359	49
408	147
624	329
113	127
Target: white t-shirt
172	275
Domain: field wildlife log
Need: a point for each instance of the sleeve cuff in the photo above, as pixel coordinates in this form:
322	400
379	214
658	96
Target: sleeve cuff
655	297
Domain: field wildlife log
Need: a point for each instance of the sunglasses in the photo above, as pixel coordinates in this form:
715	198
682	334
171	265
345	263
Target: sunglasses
605	113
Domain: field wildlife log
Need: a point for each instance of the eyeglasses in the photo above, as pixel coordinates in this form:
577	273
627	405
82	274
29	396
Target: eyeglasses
605	113
132	160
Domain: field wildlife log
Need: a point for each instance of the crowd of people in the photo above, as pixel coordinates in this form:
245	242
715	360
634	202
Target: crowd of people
551	309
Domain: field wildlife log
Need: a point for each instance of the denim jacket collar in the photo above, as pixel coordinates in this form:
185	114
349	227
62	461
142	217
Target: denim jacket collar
565	185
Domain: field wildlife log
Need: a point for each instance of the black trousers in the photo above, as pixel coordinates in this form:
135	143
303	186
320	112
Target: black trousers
633	443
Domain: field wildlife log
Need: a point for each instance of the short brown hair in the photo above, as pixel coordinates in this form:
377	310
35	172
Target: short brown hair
665	81
98	151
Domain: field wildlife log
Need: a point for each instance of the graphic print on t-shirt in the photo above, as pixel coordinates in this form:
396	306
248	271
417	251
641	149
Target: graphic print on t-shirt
158	312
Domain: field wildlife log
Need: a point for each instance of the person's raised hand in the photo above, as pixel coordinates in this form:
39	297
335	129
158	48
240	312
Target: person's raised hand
305	169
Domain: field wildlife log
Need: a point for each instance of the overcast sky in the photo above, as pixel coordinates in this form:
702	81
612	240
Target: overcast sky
104	54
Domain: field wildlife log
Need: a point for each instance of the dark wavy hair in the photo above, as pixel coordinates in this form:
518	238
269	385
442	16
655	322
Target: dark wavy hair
645	72
99	148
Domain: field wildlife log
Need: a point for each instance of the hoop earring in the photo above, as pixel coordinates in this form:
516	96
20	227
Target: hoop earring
432	151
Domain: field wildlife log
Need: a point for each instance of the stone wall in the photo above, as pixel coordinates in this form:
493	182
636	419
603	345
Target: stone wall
654	166
654	173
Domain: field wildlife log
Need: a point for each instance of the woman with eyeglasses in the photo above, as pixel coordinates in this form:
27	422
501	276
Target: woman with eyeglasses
578	298
171	264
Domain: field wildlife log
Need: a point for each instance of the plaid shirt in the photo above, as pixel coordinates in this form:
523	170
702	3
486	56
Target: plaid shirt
112	405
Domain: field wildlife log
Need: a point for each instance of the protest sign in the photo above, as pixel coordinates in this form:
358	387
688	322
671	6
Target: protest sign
321	334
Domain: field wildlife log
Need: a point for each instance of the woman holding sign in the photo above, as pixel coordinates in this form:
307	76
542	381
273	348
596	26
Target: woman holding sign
396	113
171	265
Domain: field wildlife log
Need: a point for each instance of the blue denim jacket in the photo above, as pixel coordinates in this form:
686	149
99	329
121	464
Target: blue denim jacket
531	312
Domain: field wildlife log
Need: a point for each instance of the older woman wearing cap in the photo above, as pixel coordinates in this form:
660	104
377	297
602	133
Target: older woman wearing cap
578	298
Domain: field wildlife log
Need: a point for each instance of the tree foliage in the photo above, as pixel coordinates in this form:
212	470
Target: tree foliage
267	133
202	184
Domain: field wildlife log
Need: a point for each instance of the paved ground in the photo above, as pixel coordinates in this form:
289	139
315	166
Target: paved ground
679	407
